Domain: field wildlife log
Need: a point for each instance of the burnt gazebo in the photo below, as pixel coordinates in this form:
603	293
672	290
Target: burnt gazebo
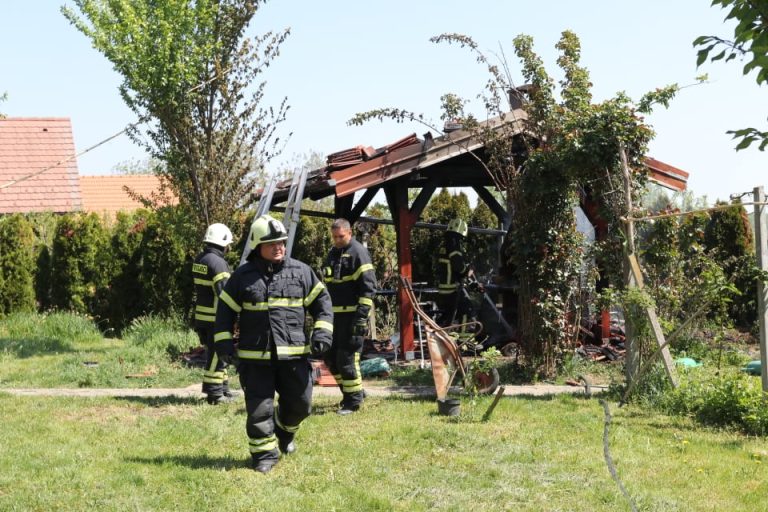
453	160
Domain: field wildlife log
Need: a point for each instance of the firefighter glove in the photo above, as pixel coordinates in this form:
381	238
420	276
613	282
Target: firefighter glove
319	345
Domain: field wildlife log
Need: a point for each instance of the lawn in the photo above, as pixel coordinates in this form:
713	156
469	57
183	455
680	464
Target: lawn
537	454
397	454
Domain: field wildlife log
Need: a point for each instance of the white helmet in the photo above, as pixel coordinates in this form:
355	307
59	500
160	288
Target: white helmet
458	226
266	229
218	234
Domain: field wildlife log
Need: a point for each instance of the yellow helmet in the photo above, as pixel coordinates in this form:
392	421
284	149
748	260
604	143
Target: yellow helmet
458	226
266	229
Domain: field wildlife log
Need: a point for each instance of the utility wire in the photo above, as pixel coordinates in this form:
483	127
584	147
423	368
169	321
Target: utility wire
690	212
68	159
124	130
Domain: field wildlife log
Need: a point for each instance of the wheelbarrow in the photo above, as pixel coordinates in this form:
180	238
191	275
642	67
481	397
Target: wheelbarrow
445	349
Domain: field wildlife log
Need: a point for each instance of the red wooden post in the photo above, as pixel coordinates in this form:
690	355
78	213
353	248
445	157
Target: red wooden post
404	225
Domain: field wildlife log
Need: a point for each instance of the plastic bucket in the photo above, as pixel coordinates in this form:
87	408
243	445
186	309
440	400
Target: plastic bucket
449	407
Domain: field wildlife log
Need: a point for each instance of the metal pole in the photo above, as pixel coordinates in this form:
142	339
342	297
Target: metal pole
761	249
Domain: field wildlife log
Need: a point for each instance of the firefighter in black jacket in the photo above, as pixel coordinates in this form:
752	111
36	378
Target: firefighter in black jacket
351	281
271	294
210	272
452	267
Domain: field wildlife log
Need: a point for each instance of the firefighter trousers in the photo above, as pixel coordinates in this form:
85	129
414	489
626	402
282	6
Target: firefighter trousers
267	423
215	379
343	361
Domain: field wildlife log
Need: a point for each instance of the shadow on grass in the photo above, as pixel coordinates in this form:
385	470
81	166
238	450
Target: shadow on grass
160	401
194	462
31	347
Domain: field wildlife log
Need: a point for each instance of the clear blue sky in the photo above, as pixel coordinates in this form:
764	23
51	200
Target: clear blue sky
346	56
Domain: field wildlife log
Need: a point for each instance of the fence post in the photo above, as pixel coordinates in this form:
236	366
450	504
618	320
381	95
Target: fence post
761	249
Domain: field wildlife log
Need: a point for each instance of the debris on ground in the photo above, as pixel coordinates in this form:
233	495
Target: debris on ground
321	375
196	358
375	367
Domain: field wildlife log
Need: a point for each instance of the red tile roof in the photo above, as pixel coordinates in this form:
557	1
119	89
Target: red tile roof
107	194
29	145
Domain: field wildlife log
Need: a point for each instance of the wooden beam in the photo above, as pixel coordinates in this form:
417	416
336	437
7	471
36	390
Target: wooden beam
397	198
501	213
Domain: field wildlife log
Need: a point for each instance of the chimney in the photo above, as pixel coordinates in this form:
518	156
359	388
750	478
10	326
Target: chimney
519	96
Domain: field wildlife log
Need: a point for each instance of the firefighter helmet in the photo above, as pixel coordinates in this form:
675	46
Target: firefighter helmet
266	229
458	226
218	234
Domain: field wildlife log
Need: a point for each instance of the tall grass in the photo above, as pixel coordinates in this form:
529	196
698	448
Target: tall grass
67	350
161	335
29	334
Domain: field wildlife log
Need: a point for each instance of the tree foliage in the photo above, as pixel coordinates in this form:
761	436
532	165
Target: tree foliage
750	41
426	243
193	76
17	264
728	237
570	149
78	263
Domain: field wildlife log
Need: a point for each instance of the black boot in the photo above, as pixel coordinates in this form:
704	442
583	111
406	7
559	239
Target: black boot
287	447
219	399
264	466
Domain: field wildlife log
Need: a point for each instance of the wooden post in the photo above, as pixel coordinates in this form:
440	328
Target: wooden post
634	277
761	249
632	355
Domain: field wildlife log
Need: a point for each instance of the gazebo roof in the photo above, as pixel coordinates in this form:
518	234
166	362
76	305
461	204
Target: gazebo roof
450	159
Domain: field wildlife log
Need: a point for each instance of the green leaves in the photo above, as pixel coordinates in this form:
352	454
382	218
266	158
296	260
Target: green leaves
190	73
750	40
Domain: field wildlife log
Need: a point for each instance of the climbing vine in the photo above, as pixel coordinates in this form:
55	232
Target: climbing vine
569	151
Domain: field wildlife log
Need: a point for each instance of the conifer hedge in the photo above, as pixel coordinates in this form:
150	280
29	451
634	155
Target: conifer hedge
17	264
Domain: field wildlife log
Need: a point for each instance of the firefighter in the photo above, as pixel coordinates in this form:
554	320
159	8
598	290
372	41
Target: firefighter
210	272
452	268
271	294
351	281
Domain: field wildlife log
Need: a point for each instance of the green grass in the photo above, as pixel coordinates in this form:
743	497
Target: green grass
65	350
534	454
537	454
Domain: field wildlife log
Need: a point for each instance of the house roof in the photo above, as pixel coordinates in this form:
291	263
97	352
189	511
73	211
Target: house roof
29	145
108	194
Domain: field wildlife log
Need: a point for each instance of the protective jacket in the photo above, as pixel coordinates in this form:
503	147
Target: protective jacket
271	300
351	281
452	265
210	272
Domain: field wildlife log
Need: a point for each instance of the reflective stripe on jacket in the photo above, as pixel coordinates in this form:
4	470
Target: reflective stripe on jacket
271	302
210	272
452	266
351	280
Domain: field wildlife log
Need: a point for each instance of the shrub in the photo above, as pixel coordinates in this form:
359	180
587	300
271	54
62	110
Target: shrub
78	263
168	246
729	238
732	400
312	242
44	225
17	261
124	300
